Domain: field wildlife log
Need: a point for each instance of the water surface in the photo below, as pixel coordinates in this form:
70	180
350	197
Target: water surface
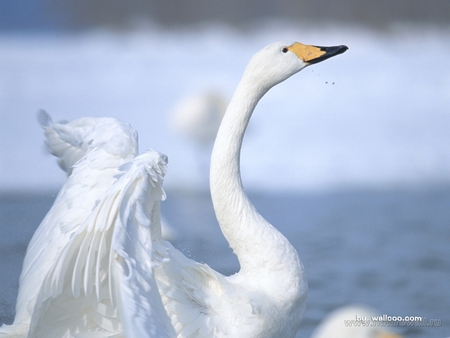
388	249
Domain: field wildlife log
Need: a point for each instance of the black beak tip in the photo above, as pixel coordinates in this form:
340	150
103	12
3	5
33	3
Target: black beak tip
343	48
329	52
332	51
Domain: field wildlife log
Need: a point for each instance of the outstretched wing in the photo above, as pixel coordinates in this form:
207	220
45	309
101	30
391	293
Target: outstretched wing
139	301
103	280
71	141
66	141
111	143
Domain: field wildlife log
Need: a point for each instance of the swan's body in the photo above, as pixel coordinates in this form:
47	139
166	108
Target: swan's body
334	324
98	266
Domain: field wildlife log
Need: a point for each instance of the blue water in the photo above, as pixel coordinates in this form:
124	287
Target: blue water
389	249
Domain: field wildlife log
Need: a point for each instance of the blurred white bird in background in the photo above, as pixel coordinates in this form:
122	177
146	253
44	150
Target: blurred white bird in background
353	321
98	266
197	118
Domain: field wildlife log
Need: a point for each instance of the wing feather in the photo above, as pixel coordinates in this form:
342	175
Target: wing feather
72	141
66	141
143	313
111	253
106	144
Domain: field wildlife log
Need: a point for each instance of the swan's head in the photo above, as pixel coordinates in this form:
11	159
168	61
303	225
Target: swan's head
278	61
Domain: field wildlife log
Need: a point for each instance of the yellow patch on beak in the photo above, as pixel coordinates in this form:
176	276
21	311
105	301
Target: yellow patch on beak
306	52
389	335
314	54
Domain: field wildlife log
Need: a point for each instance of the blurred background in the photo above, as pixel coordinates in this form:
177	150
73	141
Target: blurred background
349	159
84	14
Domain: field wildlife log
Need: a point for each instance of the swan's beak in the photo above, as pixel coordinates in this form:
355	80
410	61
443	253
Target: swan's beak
314	54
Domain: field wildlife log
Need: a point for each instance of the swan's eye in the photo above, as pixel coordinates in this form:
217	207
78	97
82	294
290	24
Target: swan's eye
285	50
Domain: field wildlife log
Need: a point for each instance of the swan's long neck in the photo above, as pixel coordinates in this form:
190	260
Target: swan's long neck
259	247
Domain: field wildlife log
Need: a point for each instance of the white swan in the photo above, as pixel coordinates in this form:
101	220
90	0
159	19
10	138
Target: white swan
98	267
197	118
361	324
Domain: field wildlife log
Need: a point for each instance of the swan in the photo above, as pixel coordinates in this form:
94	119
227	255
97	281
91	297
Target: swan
198	117
98	266
334	324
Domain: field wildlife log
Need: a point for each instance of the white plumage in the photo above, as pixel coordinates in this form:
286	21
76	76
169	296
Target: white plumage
98	266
